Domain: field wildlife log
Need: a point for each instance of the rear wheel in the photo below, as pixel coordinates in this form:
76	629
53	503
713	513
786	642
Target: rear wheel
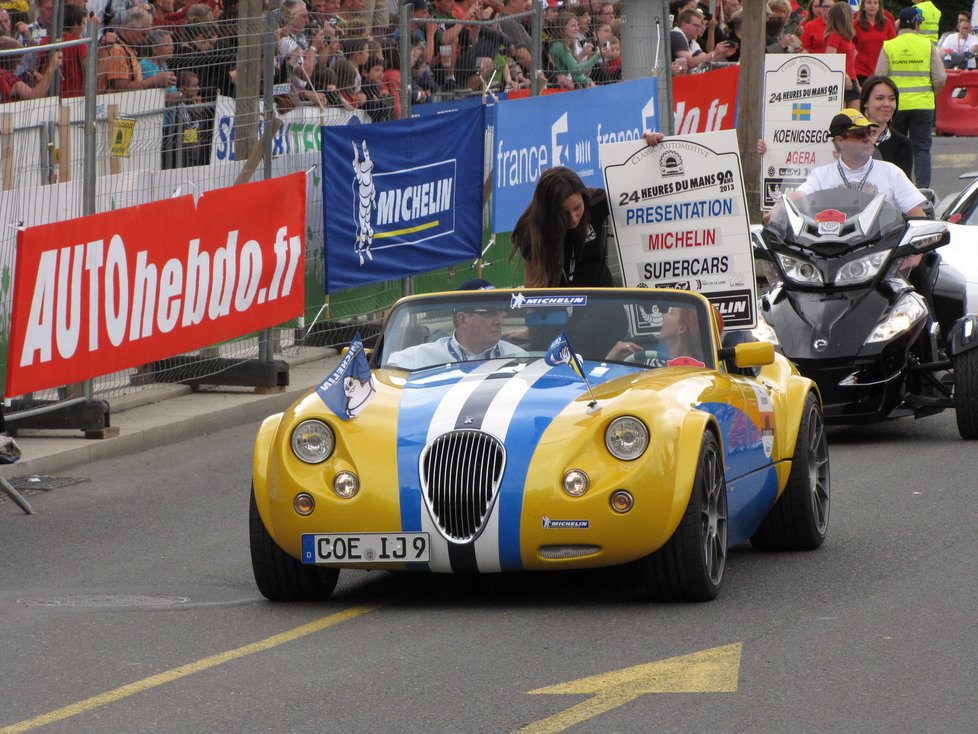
966	393
689	567
279	576
800	518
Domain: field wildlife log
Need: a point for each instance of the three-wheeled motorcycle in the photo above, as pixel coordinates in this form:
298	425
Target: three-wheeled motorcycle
860	302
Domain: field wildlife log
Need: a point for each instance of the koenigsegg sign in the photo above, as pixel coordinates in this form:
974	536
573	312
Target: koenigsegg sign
111	291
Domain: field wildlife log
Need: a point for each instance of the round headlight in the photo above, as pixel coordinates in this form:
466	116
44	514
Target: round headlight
312	441
346	484
575	482
626	438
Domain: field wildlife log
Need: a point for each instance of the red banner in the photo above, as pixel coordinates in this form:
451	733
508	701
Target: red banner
103	293
706	102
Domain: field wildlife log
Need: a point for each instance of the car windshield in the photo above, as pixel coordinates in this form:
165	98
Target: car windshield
823	205
650	327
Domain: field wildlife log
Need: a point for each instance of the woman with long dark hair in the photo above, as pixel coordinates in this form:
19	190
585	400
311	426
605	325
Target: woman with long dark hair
879	101
558	235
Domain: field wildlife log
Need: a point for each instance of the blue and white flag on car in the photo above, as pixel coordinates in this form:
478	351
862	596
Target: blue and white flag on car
560	352
350	387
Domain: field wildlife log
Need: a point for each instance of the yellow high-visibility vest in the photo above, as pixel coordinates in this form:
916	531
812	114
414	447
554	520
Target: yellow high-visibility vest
932	18
909	55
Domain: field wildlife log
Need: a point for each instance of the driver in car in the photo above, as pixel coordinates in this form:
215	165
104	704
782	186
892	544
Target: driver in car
477	335
855	168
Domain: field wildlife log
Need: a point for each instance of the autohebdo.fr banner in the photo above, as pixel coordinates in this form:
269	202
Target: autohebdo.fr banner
103	293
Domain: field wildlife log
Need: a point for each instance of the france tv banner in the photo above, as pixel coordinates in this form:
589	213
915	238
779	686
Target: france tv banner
401	197
532	135
107	292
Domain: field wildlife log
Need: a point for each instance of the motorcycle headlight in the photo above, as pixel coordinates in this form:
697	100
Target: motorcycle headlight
799	271
626	438
909	310
863	269
313	441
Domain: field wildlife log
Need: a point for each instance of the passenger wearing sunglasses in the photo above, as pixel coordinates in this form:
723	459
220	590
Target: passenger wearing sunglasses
854	138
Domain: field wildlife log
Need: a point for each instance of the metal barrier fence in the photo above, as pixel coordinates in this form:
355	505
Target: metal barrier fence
159	100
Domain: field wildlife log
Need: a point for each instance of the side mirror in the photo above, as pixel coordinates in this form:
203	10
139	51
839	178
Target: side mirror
923	236
748	354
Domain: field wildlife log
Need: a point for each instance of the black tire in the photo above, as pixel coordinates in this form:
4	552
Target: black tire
800	518
689	567
279	576
965	367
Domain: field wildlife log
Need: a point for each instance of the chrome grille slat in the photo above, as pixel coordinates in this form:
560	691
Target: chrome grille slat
460	476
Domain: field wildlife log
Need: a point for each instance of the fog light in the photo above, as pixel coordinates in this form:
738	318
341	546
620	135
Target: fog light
576	482
304	504
346	484
622	501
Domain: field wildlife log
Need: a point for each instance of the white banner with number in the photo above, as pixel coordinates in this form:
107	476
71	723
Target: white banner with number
801	95
680	219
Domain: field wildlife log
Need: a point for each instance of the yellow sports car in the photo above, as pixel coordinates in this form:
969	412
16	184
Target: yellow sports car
507	430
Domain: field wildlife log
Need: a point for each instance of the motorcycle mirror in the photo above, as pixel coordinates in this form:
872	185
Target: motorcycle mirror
923	236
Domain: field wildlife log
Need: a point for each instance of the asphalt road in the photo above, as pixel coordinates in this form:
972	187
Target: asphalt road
127	605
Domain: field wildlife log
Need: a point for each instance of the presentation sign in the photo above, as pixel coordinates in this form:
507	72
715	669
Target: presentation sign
681	221
801	95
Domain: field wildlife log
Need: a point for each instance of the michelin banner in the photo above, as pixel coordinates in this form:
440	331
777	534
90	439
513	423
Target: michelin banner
532	135
401	197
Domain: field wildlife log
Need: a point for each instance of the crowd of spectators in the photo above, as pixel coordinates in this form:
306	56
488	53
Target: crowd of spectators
328	53
345	53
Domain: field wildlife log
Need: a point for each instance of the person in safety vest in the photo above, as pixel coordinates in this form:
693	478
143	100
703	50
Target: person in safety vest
915	66
930	19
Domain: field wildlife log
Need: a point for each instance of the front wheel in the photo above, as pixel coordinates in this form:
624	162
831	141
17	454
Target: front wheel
965	366
279	576
689	567
800	518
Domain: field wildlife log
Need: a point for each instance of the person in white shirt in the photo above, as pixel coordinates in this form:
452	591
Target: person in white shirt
961	42
477	336
855	167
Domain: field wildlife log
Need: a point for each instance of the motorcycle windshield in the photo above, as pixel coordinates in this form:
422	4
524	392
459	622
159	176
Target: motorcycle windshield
838	205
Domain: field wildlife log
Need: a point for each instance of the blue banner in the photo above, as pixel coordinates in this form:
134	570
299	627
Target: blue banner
401	197
532	135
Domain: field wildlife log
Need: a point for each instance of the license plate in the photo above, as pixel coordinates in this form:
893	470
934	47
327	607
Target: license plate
334	548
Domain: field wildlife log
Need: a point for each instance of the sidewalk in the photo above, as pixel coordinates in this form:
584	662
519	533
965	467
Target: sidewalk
163	415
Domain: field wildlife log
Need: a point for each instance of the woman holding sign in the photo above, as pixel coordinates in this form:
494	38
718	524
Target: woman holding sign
559	233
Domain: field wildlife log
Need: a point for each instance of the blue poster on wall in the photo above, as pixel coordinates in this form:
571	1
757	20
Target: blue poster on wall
401	197
532	135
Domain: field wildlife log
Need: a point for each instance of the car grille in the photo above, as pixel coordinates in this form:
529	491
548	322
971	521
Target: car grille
460	475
